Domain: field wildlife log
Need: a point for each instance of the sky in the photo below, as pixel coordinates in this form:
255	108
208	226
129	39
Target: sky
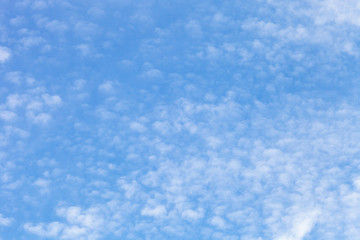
154	119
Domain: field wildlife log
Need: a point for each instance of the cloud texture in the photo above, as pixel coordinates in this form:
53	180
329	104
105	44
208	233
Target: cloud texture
152	119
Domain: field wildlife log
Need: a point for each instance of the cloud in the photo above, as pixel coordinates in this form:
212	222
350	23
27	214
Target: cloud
42	183
79	84
39	5
162	126
339	12
35	105
51	100
18	20
4	221
107	87
14	77
31	41
80	224
157	211
86	29
193	27
192	215
301	224
136	126
7	115
252	132
32	102
14	100
152	73
85	49
104	114
74	232
56	26
75	215
96	12
50	230
5	54
218	222
41	118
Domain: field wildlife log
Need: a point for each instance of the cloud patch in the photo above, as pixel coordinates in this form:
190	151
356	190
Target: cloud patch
5	54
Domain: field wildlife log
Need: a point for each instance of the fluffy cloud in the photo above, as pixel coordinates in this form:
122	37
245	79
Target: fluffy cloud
226	120
156	211
51	100
4	221
79	224
51	230
5	54
7	115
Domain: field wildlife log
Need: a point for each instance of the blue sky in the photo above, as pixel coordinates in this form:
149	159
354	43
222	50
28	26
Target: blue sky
152	119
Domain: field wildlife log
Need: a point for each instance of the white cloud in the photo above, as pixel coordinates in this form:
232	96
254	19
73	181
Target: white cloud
136	126
7	115
85	49
157	211
14	77
46	162
162	126
51	100
41	118
301	224
130	188
74	232
107	87
193	27
335	11
35	105
152	73
80	224
213	141
18	20
42	183
4	221
31	41
56	26
90	218
328	24
104	114
96	12
52	229
5	54
86	29
222	189
227	165
356	183
219	222
192	215
39	5
79	84
212	52
14	100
